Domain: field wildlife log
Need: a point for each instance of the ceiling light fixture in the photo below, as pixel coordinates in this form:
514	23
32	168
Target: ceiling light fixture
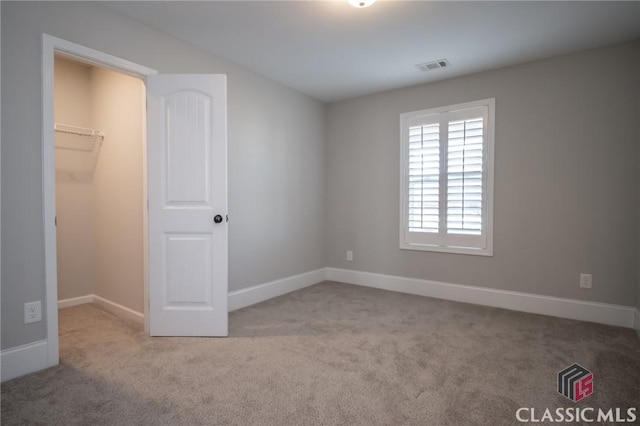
361	4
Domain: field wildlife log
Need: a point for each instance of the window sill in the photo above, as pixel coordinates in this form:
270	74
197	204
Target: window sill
447	249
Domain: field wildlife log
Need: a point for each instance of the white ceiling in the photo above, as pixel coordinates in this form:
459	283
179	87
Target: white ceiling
332	51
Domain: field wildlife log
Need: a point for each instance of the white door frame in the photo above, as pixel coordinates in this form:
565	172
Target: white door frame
50	46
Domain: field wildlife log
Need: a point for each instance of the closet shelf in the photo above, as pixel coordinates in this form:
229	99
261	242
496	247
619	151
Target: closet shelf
77	138
77	151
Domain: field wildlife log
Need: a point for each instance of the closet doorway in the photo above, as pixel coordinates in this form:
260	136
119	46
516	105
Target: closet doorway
100	187
184	195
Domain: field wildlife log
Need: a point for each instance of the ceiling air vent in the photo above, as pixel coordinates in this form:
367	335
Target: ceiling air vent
433	65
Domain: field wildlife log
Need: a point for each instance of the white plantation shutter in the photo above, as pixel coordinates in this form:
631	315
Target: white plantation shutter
447	182
464	177
424	178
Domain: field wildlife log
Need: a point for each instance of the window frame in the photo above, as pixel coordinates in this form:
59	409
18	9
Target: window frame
441	242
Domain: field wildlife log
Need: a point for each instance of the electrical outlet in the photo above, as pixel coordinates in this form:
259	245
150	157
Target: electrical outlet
32	312
349	256
586	280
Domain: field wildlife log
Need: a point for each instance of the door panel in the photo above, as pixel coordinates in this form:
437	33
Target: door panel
188	259
188	167
187	188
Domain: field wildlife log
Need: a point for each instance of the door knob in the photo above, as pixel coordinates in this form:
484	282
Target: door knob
217	218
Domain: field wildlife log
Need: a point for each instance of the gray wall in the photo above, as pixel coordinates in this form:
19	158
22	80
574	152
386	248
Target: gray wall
566	165
275	156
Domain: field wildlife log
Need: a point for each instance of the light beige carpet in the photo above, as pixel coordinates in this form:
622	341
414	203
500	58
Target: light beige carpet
331	354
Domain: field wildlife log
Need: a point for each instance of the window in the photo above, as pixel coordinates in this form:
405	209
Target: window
447	178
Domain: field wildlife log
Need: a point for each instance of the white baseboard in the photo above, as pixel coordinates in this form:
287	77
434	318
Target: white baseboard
236	300
32	357
24	359
117	309
106	304
74	301
622	316
252	295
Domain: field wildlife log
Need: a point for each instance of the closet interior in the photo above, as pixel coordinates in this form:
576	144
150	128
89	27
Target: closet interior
99	131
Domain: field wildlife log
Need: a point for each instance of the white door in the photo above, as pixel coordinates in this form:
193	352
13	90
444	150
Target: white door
187	187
